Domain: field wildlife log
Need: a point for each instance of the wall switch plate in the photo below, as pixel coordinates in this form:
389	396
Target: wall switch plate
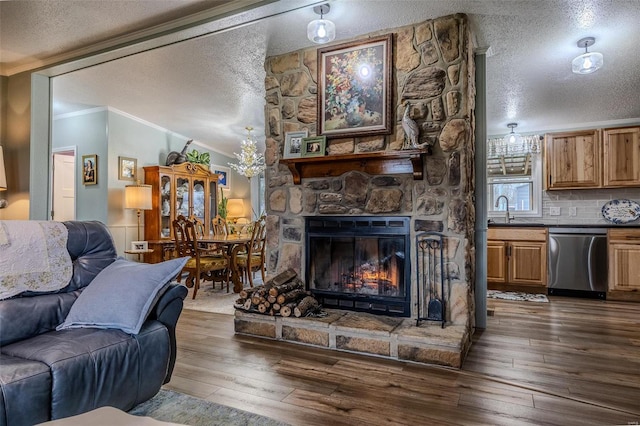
554	211
573	211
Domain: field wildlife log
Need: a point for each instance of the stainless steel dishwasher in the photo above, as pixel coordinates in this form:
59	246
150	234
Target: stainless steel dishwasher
578	262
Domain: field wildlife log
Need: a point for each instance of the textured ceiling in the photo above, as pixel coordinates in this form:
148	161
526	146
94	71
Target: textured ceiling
211	87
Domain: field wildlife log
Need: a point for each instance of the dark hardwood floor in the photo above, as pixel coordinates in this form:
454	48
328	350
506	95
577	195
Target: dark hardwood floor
570	361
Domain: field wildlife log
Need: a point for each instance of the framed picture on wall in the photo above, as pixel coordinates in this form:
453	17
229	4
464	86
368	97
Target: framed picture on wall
314	147
90	169
293	143
354	88
223	176
127	168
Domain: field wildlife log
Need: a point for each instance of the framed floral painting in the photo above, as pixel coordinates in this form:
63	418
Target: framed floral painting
354	94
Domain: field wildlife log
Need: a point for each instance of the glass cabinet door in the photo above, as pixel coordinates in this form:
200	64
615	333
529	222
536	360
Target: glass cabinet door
198	203
183	189
166	206
213	200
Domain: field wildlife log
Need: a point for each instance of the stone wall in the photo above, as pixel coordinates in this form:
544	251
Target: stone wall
433	70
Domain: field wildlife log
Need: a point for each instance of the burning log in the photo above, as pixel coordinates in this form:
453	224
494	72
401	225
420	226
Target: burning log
307	304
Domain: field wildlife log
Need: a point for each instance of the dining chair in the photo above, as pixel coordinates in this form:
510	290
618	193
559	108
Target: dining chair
254	258
202	264
219	226
199	226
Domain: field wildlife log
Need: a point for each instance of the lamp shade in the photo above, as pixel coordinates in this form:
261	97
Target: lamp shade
321	31
235	207
3	175
137	197
587	63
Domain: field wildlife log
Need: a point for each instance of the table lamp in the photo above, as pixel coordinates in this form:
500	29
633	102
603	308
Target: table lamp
235	208
137	197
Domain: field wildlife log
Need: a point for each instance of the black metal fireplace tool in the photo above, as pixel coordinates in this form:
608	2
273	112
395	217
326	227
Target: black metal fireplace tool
430	277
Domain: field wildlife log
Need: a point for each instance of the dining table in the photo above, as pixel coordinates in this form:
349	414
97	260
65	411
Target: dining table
234	243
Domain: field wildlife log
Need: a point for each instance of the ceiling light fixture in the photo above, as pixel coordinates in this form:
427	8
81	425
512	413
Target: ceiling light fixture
512	138
588	62
250	161
321	30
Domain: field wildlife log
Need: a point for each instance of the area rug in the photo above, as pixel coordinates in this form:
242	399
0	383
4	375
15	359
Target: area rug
216	300
175	407
517	296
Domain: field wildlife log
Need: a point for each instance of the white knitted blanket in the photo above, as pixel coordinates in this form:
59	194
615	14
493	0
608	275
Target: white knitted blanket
33	257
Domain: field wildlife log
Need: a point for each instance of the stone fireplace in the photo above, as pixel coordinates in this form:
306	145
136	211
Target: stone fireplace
433	70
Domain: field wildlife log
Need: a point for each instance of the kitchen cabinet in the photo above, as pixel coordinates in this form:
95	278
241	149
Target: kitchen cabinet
624	263
584	159
621	157
517	258
181	189
497	261
572	160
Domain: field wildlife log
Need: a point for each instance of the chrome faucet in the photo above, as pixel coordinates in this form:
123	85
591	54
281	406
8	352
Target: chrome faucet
507	217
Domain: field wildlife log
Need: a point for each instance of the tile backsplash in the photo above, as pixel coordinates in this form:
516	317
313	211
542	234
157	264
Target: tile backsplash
579	207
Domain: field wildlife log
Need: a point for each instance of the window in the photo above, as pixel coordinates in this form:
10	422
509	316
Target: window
519	179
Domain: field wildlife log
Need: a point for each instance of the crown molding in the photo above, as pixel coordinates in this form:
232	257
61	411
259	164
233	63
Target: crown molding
142	39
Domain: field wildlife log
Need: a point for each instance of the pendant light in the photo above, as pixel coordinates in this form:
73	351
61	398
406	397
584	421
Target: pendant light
512	139
321	30
588	62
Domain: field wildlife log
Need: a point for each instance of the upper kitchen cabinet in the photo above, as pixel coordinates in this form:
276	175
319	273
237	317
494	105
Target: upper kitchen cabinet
572	160
621	157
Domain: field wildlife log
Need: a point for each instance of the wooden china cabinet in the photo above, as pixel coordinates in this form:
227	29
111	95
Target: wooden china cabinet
186	189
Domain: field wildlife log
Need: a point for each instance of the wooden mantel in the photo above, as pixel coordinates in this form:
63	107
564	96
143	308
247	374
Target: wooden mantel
373	163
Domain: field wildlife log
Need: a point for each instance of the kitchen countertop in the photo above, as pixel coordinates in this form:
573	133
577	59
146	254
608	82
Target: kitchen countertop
554	225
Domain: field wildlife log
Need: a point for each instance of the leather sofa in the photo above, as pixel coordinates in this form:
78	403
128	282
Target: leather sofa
47	374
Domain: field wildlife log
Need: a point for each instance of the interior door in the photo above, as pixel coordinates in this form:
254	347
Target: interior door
64	186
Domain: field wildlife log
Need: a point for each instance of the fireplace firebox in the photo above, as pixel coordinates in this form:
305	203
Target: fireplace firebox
360	263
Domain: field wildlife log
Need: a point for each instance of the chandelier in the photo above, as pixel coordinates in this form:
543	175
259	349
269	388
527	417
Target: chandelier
513	144
250	161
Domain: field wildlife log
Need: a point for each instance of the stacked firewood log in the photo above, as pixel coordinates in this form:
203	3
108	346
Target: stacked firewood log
282	295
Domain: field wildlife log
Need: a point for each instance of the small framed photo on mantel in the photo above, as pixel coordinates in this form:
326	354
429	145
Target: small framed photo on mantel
293	143
314	146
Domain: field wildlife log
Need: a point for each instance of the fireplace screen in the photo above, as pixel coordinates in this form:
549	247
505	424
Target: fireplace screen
359	263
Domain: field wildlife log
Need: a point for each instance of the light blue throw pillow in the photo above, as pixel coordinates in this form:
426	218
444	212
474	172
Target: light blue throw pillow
122	295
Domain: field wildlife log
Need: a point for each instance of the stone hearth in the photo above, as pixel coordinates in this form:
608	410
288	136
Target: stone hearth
388	337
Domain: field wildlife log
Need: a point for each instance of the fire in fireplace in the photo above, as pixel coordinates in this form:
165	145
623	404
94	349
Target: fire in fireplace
359	263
